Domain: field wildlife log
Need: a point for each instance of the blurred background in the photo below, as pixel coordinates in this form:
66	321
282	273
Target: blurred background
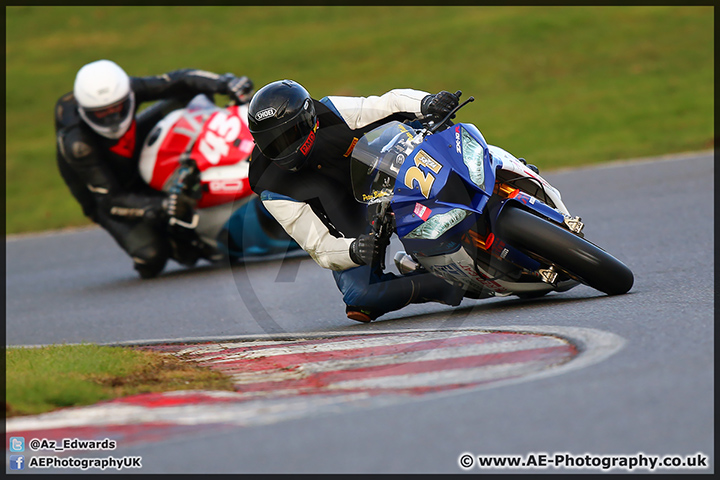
559	86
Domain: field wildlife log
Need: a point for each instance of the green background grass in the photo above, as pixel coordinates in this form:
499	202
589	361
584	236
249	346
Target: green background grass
560	86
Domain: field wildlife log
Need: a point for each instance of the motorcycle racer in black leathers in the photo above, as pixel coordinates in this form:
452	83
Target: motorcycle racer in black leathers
300	167
99	138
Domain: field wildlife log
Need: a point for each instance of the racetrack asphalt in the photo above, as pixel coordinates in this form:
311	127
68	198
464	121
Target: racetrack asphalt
653	395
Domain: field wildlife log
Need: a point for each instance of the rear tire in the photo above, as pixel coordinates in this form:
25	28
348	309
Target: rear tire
553	244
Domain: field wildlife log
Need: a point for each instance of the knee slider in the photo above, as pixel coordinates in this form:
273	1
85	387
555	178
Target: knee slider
149	255
149	261
354	294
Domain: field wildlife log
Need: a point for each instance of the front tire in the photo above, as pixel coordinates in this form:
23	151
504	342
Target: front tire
553	244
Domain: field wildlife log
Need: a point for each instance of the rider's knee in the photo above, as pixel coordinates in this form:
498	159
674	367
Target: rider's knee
361	286
149	260
355	294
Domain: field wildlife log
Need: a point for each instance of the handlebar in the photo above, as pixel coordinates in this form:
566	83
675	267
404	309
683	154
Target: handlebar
437	126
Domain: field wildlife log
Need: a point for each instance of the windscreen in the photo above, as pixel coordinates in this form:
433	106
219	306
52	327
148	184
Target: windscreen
377	158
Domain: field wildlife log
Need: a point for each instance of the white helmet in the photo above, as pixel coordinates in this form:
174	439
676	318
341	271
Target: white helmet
106	102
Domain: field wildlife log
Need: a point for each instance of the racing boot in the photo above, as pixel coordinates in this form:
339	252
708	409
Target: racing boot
361	314
210	253
426	288
184	252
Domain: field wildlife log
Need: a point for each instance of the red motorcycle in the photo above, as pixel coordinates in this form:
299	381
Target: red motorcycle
202	151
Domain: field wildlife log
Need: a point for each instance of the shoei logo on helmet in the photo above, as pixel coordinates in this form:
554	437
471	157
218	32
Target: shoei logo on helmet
263	114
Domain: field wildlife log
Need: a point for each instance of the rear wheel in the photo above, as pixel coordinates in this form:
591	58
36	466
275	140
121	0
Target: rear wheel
552	244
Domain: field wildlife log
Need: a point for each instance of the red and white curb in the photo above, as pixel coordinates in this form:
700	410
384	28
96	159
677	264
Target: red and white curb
300	376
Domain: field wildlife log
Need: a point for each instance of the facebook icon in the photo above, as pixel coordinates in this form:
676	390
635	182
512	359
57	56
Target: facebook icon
17	462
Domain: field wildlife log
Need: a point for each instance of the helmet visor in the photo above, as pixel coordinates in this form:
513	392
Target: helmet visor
285	139
111	115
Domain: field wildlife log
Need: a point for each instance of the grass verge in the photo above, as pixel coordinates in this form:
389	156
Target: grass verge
46	378
560	86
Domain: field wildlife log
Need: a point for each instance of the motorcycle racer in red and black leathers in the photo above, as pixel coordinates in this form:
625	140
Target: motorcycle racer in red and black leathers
99	138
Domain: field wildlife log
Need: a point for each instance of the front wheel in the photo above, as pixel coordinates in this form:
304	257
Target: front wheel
554	245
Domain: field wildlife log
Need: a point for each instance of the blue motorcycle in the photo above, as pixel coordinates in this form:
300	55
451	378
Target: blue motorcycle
474	215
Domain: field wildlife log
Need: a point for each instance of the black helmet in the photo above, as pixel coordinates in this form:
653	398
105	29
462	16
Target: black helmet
282	120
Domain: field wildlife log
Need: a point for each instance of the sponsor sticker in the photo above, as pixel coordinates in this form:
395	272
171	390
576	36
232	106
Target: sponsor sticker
305	148
351	147
422	211
422	158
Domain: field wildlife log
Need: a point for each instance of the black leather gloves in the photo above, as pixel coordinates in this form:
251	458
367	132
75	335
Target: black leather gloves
239	89
367	249
179	206
180	210
440	104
